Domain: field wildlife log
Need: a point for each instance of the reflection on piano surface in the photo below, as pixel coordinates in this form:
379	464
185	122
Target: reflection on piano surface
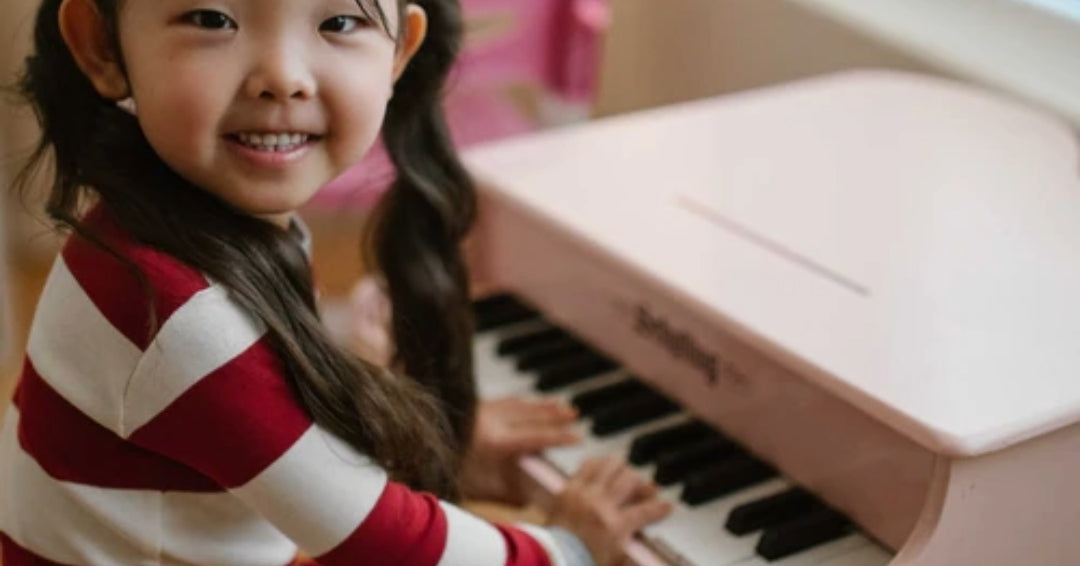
835	319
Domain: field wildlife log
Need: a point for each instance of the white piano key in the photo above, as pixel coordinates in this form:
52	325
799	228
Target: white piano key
567	393
569	458
498	376
817	555
697	534
870	555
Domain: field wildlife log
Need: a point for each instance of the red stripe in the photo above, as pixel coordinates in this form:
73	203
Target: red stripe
522	549
116	291
71	447
233	423
12	554
403	528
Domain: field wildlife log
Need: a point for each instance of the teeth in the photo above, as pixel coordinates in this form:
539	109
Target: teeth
273	142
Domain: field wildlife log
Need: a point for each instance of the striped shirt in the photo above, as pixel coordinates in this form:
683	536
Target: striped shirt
186	447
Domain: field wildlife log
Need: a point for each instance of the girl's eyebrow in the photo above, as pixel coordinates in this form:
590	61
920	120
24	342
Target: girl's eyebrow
374	10
367	6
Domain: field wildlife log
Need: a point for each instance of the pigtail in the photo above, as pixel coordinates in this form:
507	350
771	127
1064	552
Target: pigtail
420	224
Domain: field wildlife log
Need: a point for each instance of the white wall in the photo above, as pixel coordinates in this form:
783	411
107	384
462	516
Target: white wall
664	51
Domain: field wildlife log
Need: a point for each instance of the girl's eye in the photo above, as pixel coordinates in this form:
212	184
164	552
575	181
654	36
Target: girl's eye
342	24
210	19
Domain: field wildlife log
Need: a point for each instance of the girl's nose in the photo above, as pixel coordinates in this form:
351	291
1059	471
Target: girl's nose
280	76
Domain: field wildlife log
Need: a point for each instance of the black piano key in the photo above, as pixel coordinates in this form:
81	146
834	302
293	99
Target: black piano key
499	310
537	356
646	447
588	402
770	511
819	526
515	344
673	465
641	408
575	369
491	305
724	478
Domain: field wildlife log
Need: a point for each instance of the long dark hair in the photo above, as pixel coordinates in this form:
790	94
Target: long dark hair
415	428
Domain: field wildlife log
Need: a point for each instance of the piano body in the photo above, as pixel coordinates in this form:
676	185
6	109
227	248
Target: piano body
868	281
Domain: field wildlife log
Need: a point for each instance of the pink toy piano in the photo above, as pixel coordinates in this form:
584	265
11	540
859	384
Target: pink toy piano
837	319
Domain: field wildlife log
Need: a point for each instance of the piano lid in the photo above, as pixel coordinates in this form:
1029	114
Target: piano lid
911	244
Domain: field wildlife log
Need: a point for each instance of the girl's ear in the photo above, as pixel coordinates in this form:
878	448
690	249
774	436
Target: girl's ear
87	38
414	30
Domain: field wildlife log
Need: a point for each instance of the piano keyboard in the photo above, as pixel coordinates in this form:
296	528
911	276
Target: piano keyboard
730	508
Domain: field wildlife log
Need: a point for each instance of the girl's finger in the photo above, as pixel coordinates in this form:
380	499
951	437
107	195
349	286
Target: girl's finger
624	486
644	491
586	474
610	467
544	412
528	440
637	516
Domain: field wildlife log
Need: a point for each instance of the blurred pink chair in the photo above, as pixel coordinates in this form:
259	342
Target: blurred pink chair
526	65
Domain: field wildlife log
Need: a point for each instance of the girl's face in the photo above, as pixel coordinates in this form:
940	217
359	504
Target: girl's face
262	102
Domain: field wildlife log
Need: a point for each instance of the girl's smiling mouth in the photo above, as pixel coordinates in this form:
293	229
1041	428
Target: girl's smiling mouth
275	142
271	149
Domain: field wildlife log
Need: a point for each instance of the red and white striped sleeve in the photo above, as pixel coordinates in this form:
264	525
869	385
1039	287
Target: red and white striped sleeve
216	401
207	392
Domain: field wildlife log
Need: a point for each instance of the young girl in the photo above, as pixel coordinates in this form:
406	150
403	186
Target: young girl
180	402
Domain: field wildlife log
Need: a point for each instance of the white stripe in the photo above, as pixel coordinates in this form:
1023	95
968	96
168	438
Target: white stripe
8	436
49	518
204	334
78	352
219	528
304	232
546	541
318	492
471	541
77	524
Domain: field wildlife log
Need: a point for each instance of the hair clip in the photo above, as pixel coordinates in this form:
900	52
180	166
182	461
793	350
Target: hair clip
127	105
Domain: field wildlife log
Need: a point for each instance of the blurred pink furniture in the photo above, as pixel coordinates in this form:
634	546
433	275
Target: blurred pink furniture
527	64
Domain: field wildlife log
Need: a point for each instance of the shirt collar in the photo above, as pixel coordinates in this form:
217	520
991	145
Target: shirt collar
299	229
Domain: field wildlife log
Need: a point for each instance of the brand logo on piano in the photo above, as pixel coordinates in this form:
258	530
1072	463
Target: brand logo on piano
680	345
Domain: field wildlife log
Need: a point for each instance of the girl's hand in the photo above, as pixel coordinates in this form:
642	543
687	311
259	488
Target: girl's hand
605	503
505	430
